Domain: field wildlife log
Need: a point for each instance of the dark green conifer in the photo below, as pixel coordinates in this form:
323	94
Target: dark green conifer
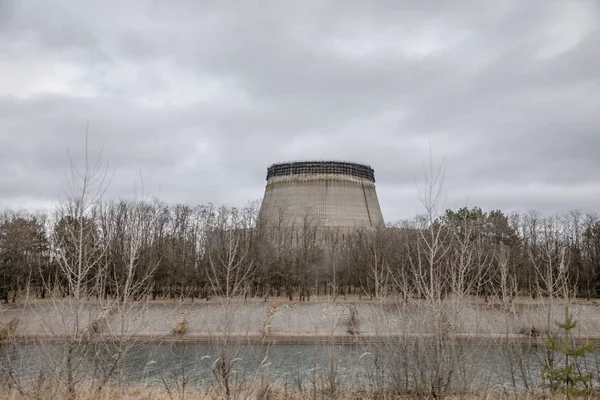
566	375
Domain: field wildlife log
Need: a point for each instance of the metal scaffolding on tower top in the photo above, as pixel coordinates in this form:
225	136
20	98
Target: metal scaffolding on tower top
321	167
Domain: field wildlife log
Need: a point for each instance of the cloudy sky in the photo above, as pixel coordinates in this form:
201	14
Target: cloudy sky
199	97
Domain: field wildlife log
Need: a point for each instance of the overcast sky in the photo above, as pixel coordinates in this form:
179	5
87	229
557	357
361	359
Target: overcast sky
200	97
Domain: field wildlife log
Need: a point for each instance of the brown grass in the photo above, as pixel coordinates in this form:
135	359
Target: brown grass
274	393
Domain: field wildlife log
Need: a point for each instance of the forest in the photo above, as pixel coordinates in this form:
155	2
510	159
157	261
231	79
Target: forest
184	250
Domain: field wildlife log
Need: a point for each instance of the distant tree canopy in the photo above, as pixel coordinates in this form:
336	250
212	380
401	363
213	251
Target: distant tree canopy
185	246
24	250
474	223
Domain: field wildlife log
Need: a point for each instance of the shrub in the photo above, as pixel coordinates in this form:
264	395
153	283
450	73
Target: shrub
8	330
181	328
99	325
352	324
530	331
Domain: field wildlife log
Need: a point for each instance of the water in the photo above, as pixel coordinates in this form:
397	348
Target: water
402	365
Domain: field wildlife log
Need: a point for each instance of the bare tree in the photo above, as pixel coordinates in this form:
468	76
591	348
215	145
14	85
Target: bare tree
506	280
432	244
229	272
94	332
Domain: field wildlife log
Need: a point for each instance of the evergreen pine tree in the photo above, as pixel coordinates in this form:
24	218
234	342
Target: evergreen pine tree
567	376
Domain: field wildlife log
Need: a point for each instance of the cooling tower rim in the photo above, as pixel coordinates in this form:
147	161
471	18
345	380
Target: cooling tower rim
320	167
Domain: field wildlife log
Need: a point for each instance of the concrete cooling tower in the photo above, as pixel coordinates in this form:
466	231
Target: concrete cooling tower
332	194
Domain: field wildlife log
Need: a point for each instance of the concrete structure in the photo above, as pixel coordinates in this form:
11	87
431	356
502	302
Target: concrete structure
330	194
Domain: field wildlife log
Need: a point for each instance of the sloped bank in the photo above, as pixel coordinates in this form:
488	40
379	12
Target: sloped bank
300	322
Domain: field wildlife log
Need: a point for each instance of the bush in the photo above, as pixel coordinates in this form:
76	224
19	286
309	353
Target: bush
531	331
8	330
99	325
181	328
352	324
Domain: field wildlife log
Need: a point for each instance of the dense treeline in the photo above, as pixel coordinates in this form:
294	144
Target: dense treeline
194	252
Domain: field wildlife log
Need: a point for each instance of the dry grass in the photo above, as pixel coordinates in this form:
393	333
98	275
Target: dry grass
272	393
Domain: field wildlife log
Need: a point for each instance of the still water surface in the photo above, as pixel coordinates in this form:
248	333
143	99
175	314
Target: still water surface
512	366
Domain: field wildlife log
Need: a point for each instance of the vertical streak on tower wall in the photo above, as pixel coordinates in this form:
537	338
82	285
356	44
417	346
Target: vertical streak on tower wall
367	204
330	193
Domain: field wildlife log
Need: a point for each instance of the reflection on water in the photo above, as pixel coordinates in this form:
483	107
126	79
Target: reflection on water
399	365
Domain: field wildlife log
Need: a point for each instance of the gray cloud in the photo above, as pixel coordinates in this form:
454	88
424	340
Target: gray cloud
200	97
